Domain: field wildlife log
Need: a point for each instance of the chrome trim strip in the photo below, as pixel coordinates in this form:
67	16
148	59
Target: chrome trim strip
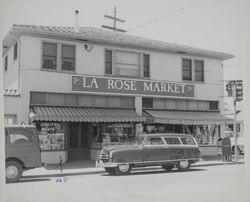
114	164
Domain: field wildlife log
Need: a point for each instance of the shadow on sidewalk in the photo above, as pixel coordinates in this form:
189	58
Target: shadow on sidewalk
73	165
63	174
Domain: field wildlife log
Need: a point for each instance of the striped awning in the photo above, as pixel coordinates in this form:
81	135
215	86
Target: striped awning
186	118
81	114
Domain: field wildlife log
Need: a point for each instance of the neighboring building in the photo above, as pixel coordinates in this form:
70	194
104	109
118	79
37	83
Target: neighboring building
85	87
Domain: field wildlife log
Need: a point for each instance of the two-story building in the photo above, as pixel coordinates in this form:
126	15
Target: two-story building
85	87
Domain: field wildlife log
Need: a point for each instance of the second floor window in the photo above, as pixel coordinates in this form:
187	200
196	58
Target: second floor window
15	51
108	62
146	65
127	63
6	63
58	56
49	55
187	70
68	58
199	70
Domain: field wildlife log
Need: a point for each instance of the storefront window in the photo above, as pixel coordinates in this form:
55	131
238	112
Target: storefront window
51	135
206	134
116	133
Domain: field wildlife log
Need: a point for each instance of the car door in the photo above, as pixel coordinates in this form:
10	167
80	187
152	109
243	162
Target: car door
153	149
174	149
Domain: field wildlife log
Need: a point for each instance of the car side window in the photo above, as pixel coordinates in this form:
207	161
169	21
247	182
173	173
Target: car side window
172	141
154	141
20	137
187	141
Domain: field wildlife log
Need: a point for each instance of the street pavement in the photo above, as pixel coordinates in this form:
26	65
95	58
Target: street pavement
220	182
88	167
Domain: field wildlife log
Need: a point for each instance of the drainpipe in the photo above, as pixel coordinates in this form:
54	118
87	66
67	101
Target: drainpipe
19	67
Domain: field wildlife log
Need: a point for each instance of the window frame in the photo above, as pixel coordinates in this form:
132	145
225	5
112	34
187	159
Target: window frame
111	62
143	65
140	65
211	102
59	56
56	57
6	63
203	75
15	51
193	72
152	145
16	131
172	144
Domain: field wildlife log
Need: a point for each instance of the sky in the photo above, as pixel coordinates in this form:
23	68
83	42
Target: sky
219	25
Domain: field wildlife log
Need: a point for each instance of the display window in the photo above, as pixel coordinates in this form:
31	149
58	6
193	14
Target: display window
51	135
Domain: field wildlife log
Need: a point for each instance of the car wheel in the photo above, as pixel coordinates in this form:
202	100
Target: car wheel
168	167
14	171
111	171
183	165
123	169
237	150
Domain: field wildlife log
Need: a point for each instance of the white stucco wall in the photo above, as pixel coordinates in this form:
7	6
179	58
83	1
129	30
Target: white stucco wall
163	66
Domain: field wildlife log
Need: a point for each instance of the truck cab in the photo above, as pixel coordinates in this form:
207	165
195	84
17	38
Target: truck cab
22	151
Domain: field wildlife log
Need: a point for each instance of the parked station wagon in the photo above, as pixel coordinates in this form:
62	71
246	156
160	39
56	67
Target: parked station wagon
166	150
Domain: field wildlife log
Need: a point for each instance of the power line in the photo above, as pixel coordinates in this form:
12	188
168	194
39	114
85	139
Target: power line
162	17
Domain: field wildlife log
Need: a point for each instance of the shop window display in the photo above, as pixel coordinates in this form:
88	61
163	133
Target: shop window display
51	135
115	134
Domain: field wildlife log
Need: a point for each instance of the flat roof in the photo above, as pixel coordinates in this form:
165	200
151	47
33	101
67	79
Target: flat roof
99	35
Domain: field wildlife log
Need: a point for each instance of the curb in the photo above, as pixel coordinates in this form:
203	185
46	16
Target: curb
93	172
217	164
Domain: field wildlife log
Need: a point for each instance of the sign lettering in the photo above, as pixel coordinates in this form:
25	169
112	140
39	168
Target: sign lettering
91	84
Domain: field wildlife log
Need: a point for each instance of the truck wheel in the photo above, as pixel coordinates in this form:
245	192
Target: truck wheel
183	165
168	167
123	169
111	171
14	171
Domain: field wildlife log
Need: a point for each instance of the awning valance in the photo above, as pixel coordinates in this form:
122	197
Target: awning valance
186	118
81	114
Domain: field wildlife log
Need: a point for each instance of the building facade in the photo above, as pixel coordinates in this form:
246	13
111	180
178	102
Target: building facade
87	88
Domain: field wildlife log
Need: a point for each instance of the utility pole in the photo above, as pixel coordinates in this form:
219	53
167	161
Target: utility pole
115	19
235	90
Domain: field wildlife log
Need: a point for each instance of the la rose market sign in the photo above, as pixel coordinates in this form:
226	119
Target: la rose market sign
107	85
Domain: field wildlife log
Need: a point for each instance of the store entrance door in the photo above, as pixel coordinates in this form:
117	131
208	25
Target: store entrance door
78	139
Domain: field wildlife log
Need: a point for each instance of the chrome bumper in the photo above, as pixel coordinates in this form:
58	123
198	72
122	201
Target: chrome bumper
101	164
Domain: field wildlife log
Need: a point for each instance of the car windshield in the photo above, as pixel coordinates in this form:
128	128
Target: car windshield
138	140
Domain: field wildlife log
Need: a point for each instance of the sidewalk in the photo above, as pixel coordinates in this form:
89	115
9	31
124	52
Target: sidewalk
88	168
